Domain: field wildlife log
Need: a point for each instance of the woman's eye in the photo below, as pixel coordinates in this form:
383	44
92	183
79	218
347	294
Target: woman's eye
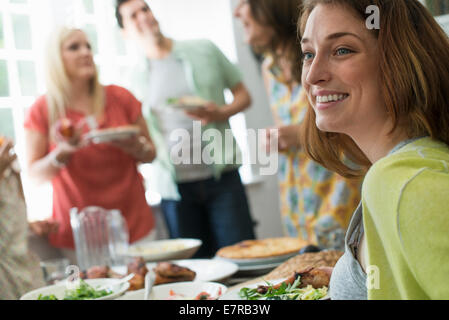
74	47
343	51
307	56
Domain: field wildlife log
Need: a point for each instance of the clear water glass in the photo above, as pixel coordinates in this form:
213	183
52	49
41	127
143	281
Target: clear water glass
101	237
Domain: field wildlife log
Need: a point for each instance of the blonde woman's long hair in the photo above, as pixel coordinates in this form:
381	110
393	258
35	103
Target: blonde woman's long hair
58	82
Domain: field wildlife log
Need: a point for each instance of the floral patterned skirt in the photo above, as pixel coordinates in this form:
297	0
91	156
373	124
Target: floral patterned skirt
316	204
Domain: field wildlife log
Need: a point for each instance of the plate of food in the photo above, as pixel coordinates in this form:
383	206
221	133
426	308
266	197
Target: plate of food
311	284
85	290
261	252
173	249
205	270
198	290
111	134
186	102
165	272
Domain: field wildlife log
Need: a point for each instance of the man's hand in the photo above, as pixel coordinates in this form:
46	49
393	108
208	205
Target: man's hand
209	113
6	156
289	137
138	147
44	228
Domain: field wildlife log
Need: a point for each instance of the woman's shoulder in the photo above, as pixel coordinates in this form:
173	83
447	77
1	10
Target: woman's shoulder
39	107
396	170
118	93
114	89
40	102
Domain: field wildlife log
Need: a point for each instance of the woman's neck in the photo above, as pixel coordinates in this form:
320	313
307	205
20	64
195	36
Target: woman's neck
376	144
80	96
158	48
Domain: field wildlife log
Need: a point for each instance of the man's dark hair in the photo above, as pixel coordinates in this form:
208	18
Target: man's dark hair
118	15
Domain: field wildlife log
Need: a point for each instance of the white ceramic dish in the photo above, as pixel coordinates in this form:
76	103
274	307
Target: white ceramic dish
59	289
186	103
183	291
234	294
206	269
111	134
260	261
160	250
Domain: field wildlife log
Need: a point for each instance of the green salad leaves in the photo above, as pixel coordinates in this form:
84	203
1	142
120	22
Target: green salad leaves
284	292
83	292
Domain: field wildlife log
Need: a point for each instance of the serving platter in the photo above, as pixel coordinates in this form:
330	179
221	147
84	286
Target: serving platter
234	293
59	289
206	270
111	134
179	291
260	261
186	103
160	250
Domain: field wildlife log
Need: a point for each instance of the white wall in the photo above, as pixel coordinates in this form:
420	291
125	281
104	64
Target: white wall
263	196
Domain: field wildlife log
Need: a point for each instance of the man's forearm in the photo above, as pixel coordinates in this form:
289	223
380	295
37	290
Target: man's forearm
241	102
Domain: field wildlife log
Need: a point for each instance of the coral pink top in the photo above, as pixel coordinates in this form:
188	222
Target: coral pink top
98	175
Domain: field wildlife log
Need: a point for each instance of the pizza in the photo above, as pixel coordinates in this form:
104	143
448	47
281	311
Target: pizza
265	248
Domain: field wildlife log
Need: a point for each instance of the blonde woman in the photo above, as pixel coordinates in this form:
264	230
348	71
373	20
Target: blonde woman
82	175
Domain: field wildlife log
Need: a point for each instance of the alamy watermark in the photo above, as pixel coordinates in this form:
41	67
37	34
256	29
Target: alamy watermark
373	21
373	277
212	146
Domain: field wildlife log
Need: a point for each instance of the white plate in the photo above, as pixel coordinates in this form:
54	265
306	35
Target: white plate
260	267
188	290
184	106
260	261
165	249
59	289
107	135
206	270
234	294
187	103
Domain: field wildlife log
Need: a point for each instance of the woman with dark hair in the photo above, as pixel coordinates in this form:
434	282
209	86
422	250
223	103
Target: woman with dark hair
316	204
380	97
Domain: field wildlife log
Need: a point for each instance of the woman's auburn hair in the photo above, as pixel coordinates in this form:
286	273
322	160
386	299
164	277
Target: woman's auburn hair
58	82
414	75
282	16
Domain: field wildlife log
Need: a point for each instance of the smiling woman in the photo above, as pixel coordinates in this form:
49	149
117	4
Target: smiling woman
379	97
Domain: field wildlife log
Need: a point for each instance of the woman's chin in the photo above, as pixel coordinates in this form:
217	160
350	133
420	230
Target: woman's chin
326	126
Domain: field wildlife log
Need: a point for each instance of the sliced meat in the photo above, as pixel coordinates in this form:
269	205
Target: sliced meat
167	272
137	266
162	280
316	277
137	283
98	272
171	270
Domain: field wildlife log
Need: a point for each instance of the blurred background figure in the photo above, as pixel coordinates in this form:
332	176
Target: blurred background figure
204	201
316	204
19	268
84	174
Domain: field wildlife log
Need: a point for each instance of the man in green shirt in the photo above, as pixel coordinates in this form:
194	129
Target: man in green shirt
201	198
